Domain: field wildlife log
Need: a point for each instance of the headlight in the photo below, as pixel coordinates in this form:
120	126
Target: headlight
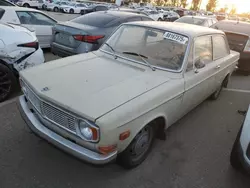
88	131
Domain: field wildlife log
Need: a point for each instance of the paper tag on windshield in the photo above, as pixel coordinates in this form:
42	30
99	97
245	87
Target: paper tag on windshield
175	37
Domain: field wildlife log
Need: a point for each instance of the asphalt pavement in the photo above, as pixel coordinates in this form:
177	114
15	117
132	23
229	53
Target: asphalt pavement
195	154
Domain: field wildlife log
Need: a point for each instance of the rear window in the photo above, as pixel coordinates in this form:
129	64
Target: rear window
191	20
94	19
2	11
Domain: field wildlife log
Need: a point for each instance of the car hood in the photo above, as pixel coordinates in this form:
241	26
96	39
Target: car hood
91	85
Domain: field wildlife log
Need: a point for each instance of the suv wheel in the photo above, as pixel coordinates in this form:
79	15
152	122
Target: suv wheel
71	11
26	5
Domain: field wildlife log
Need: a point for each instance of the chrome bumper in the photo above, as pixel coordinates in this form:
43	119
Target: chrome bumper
59	141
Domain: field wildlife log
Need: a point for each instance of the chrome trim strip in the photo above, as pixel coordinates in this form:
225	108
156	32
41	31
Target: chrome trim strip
59	141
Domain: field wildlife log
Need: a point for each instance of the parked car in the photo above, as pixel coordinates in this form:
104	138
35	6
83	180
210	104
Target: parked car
6	3
93	8
42	4
55	6
155	15
117	100
240	154
238	34
88	32
30	18
16	54
72	8
170	16
129	10
28	3
198	20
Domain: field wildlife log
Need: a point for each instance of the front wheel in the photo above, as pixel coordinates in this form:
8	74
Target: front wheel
159	19
71	11
138	149
7	82
26	5
56	9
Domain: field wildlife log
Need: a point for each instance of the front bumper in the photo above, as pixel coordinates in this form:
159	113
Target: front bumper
70	147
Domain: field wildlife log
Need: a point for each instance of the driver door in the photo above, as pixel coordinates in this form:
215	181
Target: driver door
41	23
199	79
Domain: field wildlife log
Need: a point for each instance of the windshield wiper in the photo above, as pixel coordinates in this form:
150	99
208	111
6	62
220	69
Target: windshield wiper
112	49
143	58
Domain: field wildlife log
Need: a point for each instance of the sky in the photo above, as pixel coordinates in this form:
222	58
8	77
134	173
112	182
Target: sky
241	5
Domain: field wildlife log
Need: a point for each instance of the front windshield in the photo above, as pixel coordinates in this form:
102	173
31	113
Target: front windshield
160	48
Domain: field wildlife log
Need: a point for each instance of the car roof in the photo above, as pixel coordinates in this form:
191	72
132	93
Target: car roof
120	13
16	8
233	26
190	30
198	17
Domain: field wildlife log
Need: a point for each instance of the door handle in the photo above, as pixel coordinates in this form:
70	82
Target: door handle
217	67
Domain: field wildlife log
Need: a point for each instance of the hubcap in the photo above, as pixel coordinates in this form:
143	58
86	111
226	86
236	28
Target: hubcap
142	142
5	84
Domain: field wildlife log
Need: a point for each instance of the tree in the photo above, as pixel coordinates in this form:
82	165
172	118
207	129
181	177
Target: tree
195	4
233	10
211	5
184	3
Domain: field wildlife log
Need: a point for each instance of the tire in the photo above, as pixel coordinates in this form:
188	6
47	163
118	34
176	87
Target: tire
217	93
138	149
234	157
44	7
8	82
71	11
159	19
26	5
55	9
82	12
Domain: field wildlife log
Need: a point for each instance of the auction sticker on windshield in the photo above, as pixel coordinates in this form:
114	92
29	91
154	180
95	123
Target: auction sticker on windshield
175	37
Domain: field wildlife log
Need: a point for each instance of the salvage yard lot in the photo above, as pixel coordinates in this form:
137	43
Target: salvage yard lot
195	153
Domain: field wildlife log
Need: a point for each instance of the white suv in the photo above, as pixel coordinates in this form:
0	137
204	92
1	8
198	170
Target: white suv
28	3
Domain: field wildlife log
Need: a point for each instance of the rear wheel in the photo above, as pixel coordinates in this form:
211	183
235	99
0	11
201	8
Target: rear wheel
26	5
159	19
7	82
217	93
44	7
71	11
56	9
138	149
82	12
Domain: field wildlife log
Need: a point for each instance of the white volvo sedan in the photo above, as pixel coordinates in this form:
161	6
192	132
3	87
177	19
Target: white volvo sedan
112	103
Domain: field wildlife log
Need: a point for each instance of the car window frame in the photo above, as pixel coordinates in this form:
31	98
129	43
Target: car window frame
16	11
226	42
212	59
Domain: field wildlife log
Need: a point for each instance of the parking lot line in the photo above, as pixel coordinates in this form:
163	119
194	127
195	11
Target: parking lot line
237	90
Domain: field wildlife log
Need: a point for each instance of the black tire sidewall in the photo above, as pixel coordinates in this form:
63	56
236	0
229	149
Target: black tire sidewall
126	160
12	79
71	11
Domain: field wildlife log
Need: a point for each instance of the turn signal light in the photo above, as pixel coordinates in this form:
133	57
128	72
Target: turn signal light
107	149
124	135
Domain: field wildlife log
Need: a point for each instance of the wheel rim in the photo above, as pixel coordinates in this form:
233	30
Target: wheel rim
142	143
5	85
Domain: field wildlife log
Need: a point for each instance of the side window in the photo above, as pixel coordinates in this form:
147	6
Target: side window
210	22
146	19
34	18
220	47
203	50
134	19
100	8
205	23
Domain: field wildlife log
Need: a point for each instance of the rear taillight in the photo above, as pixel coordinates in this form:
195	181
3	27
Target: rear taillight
30	45
88	38
247	47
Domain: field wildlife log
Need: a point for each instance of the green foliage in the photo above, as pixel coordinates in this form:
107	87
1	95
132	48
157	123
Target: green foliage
211	5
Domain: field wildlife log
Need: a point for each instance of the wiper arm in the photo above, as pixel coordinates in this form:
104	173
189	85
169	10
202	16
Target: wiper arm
112	49
143	58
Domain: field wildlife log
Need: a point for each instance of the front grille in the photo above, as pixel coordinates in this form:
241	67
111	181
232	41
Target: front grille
51	113
58	117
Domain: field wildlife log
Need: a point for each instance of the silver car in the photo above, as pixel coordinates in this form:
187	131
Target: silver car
88	32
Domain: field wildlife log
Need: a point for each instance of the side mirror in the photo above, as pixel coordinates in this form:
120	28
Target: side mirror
199	64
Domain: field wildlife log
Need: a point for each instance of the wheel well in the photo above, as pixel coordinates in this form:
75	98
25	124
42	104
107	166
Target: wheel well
159	125
10	66
225	81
